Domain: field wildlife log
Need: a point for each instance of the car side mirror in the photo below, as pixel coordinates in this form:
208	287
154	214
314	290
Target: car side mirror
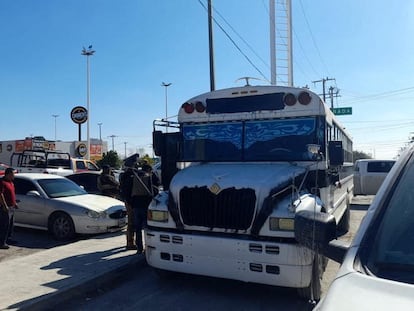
33	193
314	229
317	231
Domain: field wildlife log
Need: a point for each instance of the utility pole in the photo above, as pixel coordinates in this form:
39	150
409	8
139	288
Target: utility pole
211	46
333	90
323	85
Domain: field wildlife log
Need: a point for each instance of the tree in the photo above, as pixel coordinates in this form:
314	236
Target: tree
110	158
357	155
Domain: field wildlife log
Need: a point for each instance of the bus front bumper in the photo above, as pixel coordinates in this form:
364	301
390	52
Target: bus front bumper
279	264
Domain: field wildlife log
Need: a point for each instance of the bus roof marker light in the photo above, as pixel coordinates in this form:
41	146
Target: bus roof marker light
199	107
289	99
188	107
304	98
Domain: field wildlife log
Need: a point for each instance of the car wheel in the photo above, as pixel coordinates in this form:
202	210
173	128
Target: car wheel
61	227
313	291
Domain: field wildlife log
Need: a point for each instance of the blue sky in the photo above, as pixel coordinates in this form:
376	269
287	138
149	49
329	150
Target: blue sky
366	46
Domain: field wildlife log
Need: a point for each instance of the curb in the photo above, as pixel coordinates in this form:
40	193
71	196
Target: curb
85	287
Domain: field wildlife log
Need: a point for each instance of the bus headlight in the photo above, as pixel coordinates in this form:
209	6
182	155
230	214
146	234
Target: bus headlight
283	224
160	216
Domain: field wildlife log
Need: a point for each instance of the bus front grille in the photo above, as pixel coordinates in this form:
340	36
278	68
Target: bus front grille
229	209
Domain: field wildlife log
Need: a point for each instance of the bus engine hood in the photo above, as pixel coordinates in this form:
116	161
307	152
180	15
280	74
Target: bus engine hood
261	177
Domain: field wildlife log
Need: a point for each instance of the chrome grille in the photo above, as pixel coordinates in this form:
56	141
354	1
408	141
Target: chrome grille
118	214
230	209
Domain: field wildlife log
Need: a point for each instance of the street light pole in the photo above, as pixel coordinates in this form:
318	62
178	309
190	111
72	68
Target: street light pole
166	85
55	116
112	136
88	52
100	136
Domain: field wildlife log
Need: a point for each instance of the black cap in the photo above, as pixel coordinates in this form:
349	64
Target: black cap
131	160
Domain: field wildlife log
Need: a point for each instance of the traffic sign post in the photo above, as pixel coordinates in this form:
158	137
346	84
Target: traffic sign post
342	111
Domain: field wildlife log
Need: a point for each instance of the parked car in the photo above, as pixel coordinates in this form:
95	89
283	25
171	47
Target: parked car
377	271
51	162
87	180
3	168
57	204
369	175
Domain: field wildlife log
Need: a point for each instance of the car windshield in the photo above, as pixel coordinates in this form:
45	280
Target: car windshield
259	140
58	188
390	255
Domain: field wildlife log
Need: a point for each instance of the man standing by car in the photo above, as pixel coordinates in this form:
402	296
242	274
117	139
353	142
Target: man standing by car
143	190
8	202
125	180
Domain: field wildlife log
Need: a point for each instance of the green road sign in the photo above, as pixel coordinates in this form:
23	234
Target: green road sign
342	111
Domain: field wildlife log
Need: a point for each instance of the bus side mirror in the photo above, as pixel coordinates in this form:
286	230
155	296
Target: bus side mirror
158	143
336	153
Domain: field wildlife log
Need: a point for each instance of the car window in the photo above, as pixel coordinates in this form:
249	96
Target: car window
64	163
23	186
356	167
80	165
57	188
92	166
380	166
391	254
88	181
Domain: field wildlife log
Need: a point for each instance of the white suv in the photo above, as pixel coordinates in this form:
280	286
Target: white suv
377	271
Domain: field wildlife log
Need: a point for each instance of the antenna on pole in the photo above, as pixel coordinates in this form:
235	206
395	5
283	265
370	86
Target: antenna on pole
247	80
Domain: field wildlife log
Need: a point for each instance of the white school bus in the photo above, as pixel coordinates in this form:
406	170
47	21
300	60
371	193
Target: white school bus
237	166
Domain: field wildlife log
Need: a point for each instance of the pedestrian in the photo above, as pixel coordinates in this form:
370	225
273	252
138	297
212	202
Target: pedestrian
107	183
8	206
142	193
126	179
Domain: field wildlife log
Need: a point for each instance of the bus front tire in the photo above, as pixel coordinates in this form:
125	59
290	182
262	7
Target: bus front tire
313	291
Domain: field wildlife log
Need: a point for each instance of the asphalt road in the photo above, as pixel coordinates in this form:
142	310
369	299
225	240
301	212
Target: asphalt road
143	289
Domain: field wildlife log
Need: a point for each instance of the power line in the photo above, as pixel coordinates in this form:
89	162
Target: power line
235	44
313	37
241	38
383	94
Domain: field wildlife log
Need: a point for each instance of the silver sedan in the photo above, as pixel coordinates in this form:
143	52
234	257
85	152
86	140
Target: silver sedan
55	203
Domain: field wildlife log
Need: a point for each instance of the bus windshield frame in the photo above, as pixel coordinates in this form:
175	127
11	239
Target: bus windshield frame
253	140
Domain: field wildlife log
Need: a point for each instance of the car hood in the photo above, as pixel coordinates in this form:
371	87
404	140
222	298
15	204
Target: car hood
262	177
98	203
356	291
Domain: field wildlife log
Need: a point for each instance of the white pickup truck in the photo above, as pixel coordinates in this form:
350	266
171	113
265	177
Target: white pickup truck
52	162
369	175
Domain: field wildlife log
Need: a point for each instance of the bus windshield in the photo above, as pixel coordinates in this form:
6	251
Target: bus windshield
258	140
